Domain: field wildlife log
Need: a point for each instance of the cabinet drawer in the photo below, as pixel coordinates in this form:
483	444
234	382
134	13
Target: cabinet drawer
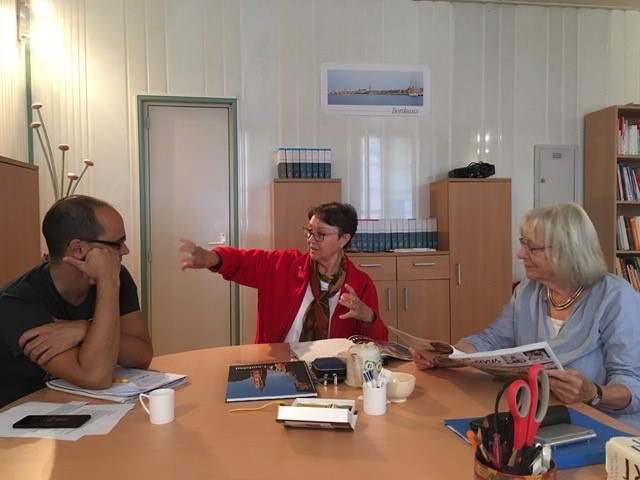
377	267
423	267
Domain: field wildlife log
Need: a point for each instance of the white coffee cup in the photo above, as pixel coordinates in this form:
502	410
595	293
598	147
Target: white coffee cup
375	399
161	405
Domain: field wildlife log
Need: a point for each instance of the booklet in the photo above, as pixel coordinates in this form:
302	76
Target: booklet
128	383
508	362
265	381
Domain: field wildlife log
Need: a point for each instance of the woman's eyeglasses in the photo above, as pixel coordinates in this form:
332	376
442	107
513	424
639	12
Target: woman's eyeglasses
529	249
317	236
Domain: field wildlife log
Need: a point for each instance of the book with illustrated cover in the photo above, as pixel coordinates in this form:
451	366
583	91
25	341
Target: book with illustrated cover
508	362
268	381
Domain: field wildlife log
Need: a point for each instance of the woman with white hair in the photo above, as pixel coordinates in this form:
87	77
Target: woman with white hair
590	318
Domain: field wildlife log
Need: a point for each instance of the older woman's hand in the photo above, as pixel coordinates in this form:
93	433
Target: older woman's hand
570	386
421	362
199	257
357	308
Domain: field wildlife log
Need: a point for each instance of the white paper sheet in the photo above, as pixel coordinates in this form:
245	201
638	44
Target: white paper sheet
103	419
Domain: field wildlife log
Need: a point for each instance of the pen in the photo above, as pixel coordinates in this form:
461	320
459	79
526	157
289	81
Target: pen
120	380
368	379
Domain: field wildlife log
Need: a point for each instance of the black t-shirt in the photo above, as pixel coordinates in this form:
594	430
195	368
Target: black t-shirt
30	301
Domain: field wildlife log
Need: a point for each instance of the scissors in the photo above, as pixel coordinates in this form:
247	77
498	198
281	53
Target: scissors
539	401
530	410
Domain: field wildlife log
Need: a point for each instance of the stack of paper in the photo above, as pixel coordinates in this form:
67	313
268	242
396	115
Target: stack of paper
128	383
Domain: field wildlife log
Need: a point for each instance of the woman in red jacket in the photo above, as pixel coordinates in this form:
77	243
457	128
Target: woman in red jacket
303	296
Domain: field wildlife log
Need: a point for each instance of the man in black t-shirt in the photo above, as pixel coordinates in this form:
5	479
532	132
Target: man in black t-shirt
78	315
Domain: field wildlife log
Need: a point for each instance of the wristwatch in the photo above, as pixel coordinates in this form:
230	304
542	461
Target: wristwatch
598	396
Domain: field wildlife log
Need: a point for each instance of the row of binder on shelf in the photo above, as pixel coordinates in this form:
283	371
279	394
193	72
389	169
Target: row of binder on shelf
628	137
388	234
627	267
303	162
628	183
628	233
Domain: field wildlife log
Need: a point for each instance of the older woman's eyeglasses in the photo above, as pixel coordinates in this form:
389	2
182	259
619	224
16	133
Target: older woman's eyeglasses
317	236
529	249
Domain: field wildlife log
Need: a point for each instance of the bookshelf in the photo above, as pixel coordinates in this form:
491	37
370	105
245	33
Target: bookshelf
604	200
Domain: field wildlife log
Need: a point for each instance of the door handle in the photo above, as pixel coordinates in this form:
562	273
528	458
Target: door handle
459	273
424	264
222	241
369	265
406	298
389	299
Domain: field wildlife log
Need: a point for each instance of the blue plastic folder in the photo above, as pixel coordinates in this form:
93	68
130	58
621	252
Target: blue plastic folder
579	454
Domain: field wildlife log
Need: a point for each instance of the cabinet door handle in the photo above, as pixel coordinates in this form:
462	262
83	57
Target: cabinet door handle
369	265
406	298
424	264
389	306
459	273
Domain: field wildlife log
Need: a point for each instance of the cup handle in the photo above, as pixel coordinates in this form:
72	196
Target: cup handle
141	397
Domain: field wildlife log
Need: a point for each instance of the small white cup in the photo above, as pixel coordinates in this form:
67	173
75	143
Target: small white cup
161	405
375	400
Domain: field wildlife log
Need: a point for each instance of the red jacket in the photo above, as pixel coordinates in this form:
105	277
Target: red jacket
281	277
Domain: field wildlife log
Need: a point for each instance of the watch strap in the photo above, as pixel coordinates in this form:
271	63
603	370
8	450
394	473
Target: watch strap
598	396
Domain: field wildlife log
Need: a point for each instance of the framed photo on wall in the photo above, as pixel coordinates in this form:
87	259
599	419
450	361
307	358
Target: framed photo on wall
375	89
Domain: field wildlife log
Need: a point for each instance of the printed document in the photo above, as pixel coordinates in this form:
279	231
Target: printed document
509	362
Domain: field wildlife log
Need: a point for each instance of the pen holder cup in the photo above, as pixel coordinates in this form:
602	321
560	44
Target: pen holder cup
482	472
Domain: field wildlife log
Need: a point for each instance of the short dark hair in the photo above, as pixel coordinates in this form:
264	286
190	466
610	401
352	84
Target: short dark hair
341	215
70	218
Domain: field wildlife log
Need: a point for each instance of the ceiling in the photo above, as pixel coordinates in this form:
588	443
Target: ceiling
610	4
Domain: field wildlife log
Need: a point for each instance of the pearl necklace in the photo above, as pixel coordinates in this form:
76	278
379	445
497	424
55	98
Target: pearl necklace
566	304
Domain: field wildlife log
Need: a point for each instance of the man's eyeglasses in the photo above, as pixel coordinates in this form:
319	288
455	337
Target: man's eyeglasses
108	243
529	249
317	236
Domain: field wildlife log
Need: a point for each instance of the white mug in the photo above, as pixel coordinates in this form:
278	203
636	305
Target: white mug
362	357
374	400
160	405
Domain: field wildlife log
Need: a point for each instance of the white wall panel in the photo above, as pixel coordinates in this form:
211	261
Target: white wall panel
185	48
503	78
13	102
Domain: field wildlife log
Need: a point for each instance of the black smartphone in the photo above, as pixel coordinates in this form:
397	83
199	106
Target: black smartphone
52	421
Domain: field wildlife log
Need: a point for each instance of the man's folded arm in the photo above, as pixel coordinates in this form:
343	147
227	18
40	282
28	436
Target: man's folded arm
91	364
136	350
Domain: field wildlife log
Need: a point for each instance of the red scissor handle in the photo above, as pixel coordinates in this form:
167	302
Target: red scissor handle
519	411
539	400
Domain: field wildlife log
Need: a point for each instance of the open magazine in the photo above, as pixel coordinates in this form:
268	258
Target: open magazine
509	362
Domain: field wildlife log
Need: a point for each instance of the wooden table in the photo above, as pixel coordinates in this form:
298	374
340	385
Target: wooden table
206	441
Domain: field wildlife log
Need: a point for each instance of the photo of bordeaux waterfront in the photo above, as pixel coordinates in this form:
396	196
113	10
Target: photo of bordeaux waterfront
375	87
